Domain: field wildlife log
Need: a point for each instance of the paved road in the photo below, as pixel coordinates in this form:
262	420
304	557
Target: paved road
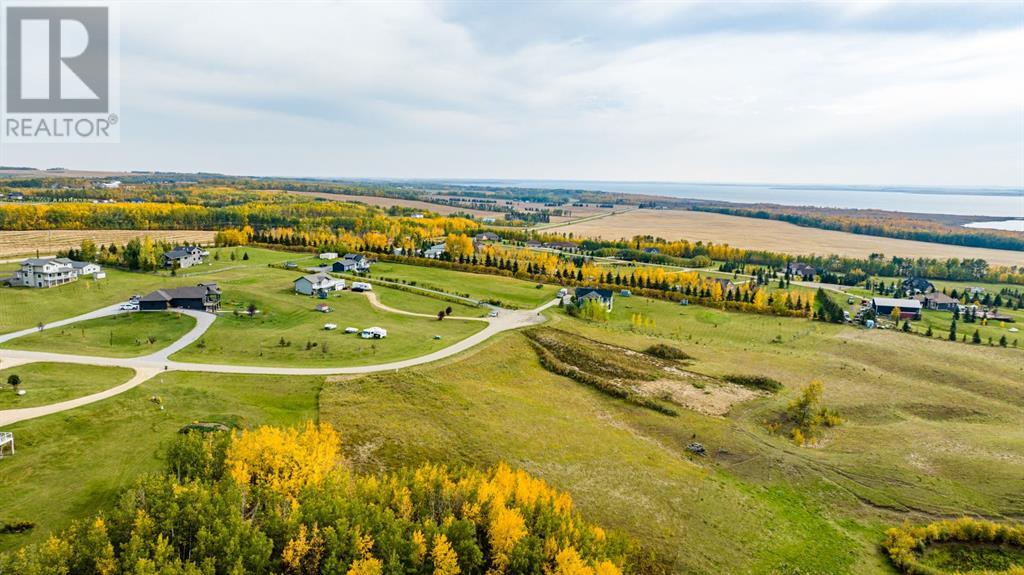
149	365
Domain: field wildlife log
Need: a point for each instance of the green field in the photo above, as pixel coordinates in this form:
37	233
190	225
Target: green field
509	291
240	339
22	308
72	464
928	435
46	383
931	428
122	335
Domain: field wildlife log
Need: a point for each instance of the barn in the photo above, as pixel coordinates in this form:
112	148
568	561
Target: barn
909	308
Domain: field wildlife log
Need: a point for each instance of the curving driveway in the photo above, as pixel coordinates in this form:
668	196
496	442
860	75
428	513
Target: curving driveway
149	365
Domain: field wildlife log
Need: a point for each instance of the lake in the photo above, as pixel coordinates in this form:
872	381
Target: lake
967	201
1011	225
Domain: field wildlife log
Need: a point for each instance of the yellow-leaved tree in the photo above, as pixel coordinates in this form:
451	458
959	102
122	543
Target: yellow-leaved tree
284	460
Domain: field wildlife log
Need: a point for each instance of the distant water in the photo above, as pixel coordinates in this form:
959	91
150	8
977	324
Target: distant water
1002	202
1011	225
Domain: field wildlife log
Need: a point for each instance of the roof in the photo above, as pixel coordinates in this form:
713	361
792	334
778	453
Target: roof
938	297
316	278
354	257
896	302
181	252
602	293
487	236
38	261
78	265
190	292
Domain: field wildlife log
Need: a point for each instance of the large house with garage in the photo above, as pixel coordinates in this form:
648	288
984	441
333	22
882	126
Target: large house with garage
202	297
50	272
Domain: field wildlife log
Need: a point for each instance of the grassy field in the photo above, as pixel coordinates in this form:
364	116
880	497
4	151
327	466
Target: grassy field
758	234
931	428
924	436
512	291
122	335
72	464
48	242
26	307
239	339
46	383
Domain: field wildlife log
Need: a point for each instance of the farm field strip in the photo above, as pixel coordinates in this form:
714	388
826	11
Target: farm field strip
770	235
27	243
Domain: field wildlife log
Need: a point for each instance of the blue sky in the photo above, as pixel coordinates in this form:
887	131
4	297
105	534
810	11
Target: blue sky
865	93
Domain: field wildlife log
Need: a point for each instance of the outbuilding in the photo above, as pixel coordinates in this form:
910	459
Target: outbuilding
909	308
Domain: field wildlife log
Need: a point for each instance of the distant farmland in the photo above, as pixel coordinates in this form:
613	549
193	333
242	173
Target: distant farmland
758	234
49	241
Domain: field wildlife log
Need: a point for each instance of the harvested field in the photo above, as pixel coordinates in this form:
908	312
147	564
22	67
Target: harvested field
47	242
757	234
387	202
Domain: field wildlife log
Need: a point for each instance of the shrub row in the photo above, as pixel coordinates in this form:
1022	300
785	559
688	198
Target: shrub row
904	544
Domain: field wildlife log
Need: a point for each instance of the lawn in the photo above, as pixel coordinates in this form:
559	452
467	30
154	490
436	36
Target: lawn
72	464
21	308
927	434
122	335
510	291
283	314
46	383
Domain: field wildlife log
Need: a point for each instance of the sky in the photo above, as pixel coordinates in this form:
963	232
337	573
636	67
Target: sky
855	93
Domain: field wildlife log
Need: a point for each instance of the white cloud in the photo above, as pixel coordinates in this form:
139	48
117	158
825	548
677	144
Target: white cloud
405	89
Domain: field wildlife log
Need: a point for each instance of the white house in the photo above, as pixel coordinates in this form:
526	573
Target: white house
81	268
434	252
183	257
309	285
329	256
361	262
44	273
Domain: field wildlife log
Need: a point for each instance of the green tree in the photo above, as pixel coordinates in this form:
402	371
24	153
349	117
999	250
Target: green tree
976	338
14	380
88	250
952	330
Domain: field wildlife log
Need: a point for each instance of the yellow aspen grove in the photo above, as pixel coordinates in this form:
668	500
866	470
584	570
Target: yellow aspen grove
446	561
284	460
507	527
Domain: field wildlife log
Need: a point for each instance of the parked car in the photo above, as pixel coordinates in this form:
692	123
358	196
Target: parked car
135	299
129	307
494	313
361	286
330	326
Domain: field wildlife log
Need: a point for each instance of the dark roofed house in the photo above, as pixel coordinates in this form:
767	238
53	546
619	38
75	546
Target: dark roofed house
801	269
727	285
357	262
604	296
913	286
938	301
202	297
486	237
652	251
183	257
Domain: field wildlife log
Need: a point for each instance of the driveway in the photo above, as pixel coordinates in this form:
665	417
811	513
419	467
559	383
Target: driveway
149	365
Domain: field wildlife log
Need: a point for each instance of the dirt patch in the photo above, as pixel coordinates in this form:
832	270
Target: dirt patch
637	377
710	397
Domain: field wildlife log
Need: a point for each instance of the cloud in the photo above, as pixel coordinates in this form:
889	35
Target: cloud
641	91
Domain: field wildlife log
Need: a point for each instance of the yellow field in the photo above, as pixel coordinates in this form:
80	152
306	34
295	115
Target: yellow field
757	234
47	242
387	202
